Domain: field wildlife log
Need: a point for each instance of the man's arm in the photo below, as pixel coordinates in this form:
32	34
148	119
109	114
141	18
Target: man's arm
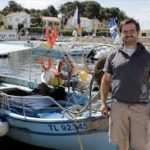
104	90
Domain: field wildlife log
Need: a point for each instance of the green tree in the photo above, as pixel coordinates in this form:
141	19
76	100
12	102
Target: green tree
1	23
68	8
12	7
1	16
50	11
92	8
37	21
114	12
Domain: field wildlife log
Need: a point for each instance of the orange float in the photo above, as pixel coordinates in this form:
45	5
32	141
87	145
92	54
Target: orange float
59	70
45	65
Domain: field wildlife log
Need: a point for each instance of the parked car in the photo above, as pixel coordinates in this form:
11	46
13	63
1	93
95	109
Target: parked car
33	38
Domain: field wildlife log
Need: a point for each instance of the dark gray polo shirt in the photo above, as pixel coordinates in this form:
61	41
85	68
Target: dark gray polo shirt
130	75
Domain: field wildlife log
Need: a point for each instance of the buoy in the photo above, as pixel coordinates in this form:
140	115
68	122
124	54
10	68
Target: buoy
4	127
55	81
83	75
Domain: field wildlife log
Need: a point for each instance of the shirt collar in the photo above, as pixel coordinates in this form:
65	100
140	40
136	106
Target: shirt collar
139	47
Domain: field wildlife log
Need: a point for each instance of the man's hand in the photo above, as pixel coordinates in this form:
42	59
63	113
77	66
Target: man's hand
104	109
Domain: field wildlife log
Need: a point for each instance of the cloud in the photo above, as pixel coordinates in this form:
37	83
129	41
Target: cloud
36	4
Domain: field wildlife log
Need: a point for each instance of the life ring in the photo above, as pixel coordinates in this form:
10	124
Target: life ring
45	66
64	75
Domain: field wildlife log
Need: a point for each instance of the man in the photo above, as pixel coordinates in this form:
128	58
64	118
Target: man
127	72
75	32
91	56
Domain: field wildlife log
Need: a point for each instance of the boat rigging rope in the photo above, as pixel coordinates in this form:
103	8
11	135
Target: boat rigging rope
78	133
90	96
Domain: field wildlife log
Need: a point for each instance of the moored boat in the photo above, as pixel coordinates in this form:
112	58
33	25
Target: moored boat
47	121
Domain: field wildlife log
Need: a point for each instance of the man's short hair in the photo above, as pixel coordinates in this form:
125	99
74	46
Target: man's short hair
128	21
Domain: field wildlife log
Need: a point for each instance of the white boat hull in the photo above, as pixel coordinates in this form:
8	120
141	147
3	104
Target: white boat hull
59	134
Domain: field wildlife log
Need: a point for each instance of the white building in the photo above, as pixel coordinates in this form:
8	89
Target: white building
145	33
86	24
8	35
14	19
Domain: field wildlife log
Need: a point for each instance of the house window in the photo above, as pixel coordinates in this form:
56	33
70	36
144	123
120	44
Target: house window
143	34
11	35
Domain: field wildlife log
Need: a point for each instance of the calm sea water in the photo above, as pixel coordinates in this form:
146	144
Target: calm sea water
7	143
21	64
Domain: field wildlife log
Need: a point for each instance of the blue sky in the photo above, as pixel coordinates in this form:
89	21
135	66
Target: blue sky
138	9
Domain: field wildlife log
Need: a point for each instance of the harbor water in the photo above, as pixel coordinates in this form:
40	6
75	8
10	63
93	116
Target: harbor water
21	64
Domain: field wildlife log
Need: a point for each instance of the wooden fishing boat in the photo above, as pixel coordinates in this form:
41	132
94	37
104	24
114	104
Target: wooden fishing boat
69	122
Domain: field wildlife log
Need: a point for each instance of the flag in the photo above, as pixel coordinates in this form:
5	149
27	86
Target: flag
51	35
114	31
118	40
76	22
55	32
112	25
48	37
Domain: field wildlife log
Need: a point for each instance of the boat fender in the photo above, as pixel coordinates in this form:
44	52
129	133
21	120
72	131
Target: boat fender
4	127
45	66
55	81
83	75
